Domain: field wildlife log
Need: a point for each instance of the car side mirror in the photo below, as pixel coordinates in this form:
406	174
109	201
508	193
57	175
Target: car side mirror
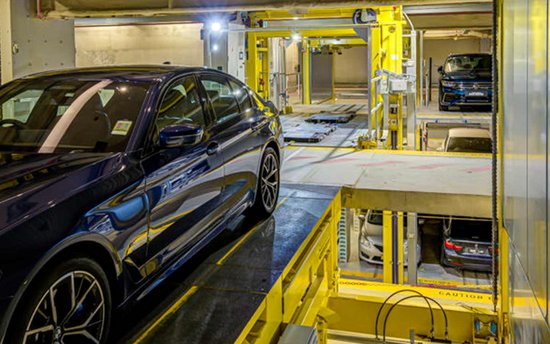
271	106
440	69
180	135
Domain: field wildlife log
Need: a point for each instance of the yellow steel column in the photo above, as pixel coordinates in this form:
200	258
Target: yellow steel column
387	244
252	67
306	77
264	53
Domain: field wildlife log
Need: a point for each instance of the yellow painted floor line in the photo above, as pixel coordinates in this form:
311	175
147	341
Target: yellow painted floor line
175	306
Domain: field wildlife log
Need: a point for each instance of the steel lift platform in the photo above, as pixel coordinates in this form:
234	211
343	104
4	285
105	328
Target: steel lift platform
284	272
244	291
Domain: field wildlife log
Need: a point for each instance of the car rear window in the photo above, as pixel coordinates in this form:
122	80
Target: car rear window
469	144
475	230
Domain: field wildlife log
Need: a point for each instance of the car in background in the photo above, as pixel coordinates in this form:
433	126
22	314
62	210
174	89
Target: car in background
468	140
112	178
467	244
371	244
466	80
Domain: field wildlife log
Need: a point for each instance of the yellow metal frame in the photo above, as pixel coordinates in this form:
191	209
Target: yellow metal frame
387	41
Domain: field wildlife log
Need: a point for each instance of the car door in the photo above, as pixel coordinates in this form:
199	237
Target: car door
237	127
184	184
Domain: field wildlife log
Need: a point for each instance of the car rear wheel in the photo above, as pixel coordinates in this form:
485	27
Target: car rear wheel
71	303
267	191
443	108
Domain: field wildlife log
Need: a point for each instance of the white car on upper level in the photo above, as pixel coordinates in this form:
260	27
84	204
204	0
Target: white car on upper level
468	140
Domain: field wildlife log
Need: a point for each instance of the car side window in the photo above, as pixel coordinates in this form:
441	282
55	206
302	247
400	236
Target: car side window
181	104
221	97
241	93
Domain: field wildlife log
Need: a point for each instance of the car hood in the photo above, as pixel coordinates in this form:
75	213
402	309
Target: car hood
31	181
480	76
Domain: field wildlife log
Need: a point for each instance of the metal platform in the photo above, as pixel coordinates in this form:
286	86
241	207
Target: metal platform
224	293
342	132
423	182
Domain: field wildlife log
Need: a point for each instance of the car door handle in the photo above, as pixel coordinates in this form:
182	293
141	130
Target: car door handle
257	125
212	148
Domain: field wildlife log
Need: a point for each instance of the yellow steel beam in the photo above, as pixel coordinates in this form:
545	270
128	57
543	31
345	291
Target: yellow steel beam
306	33
321	13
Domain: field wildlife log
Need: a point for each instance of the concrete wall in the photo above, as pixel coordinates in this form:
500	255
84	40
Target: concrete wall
145	44
30	45
350	67
439	49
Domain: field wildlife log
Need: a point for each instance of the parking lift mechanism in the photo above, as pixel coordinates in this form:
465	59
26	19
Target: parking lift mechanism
272	285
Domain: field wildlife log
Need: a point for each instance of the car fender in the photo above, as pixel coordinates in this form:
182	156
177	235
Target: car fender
78	238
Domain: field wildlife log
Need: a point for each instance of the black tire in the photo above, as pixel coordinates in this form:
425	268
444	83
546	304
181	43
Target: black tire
442	259
91	310
264	205
443	108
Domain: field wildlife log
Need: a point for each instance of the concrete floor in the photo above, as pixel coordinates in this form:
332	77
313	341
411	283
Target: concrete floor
451	182
390	171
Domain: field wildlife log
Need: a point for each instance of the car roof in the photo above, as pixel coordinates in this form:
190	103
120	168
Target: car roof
472	54
155	73
469	132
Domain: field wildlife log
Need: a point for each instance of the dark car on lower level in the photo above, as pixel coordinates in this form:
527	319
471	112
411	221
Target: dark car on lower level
466	80
111	178
467	244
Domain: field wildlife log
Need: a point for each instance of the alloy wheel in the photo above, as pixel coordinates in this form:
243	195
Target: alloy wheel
72	310
270	181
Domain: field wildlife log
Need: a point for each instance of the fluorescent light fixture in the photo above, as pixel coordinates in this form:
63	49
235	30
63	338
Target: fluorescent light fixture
215	47
296	36
216	26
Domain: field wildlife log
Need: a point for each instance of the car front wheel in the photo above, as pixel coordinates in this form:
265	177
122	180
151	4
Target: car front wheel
71	303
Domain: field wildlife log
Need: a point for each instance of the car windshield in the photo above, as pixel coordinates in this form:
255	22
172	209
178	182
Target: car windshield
474	230
469	144
58	115
468	63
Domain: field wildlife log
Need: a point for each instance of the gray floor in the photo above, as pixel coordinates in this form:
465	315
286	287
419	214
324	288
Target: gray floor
341	134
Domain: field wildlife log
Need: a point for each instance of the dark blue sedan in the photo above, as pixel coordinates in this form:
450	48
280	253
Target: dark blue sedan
112	178
466	80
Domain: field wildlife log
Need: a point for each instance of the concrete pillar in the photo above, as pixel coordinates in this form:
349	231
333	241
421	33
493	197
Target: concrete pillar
30	45
224	49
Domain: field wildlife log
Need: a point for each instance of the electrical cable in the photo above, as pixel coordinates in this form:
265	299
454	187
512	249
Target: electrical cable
494	177
411	297
419	294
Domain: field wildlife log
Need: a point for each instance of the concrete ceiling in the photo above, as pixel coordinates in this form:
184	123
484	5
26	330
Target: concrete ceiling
102	8
452	21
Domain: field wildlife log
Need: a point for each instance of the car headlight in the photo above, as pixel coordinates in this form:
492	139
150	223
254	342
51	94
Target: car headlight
366	241
448	83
